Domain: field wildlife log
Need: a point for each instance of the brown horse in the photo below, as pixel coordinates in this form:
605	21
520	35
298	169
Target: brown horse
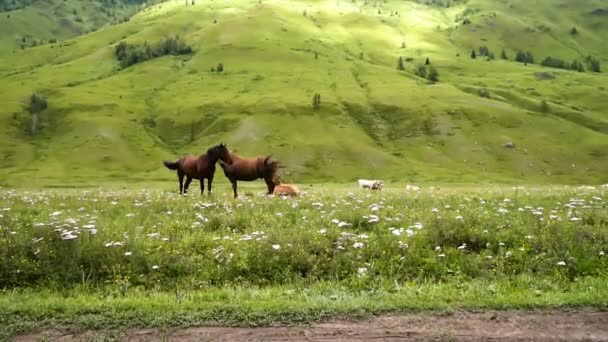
199	168
250	169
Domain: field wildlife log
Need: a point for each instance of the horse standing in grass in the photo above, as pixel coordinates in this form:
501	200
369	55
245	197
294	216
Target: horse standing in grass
200	168
250	169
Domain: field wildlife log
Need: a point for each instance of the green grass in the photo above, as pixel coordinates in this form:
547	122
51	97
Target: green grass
104	259
102	310
107	124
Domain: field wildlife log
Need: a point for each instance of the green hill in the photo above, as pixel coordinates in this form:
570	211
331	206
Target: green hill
108	122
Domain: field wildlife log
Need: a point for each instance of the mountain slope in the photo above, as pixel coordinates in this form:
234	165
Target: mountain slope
108	122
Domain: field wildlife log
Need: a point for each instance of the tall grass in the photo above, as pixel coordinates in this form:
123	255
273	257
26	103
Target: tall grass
162	241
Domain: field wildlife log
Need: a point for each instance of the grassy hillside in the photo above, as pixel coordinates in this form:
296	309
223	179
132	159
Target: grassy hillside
29	23
108	122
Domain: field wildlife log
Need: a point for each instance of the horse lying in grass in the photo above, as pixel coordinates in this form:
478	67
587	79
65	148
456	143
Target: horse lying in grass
250	169
200	168
281	189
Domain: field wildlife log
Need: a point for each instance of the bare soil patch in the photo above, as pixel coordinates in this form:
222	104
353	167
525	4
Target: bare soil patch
461	326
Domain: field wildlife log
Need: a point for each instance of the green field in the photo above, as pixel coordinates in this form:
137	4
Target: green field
103	259
110	124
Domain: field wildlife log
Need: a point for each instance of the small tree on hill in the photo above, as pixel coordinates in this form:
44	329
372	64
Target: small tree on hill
433	75
503	54
473	54
420	71
37	104
574	31
400	64
544	106
428	61
220	67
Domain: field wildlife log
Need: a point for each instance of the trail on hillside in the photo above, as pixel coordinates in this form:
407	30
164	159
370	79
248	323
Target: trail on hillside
463	326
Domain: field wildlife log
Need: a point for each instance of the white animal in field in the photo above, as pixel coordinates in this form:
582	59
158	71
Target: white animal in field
605	186
370	184
412	188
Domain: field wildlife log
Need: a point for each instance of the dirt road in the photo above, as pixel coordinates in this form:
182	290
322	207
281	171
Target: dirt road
462	326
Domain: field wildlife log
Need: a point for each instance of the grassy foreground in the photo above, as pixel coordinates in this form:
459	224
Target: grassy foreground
84	309
108	259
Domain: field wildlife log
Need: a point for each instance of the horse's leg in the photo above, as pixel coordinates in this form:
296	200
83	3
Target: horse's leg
234	188
188	180
209	181
180	176
202	186
269	184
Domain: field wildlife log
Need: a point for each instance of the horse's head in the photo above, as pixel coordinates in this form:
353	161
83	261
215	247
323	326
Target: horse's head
220	152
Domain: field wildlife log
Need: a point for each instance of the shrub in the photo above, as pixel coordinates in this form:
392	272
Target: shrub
503	54
473	54
37	104
594	64
524	57
554	63
484	92
544	106
420	71
433	75
220	67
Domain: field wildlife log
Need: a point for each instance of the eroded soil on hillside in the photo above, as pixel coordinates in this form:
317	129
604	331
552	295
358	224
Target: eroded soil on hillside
462	326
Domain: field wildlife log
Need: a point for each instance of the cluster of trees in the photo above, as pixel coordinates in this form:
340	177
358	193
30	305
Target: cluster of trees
427	71
129	54
553	62
524	57
10	5
484	51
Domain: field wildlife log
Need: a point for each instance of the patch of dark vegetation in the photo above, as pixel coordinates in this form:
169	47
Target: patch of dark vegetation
542	76
553	62
600	11
485	51
130	54
484	92
524	57
11	5
593	63
427	71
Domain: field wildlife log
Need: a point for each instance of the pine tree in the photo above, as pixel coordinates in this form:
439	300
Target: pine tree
473	54
427	61
400	64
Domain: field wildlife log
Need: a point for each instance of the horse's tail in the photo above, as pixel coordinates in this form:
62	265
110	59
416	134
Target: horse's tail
171	165
272	166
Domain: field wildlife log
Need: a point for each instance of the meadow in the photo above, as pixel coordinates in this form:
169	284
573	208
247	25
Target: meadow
101	259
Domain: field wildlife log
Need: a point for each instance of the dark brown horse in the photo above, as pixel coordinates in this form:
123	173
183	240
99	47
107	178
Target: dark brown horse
250	169
199	168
